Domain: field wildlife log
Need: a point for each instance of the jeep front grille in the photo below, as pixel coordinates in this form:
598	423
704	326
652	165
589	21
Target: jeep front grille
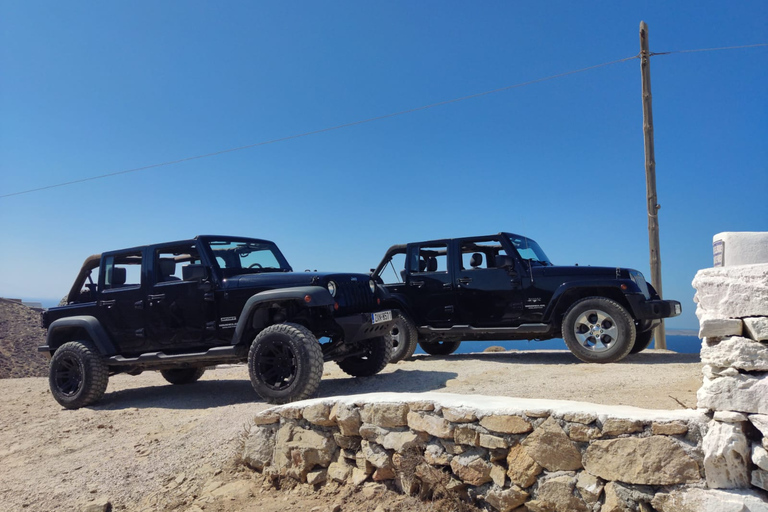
354	297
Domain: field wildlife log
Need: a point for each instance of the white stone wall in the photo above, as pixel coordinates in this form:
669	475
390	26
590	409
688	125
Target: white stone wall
732	306
508	453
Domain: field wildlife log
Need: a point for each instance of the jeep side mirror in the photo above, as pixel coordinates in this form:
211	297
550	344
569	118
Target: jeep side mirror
505	261
194	272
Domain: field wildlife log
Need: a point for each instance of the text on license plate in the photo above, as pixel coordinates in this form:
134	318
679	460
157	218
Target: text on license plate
381	316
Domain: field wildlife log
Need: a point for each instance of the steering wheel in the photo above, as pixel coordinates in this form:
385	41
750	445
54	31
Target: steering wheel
255	265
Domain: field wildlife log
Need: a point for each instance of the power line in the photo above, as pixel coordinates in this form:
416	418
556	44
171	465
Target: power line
369	120
652	54
315	132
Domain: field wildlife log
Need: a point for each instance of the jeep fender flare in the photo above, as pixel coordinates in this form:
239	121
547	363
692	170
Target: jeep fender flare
64	329
569	293
318	297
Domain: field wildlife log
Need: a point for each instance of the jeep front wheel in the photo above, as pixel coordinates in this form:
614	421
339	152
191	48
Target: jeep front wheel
439	348
598	330
285	363
642	340
182	375
77	375
377	353
404	338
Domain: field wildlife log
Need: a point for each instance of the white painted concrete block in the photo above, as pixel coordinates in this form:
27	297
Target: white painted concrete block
732	248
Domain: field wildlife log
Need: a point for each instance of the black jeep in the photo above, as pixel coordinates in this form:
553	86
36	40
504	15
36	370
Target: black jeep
503	287
180	307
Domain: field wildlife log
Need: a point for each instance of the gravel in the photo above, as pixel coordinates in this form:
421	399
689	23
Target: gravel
147	437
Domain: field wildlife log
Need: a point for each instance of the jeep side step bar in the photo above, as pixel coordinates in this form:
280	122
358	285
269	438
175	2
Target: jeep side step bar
468	329
217	354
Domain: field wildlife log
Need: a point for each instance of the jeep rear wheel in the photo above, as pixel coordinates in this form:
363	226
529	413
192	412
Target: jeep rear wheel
182	375
598	330
439	348
404	338
77	375
285	363
378	352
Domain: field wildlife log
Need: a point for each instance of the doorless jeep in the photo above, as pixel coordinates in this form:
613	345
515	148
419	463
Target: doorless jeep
180	307
503	287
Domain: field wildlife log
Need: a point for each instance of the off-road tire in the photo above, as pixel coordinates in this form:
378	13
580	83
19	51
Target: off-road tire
404	338
598	317
642	340
439	348
182	375
378	354
78	376
285	363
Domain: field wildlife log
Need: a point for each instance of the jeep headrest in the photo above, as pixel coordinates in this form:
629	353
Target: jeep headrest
118	276
167	267
476	260
432	264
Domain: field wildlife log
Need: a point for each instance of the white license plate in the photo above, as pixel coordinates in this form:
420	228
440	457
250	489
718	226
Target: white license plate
381	316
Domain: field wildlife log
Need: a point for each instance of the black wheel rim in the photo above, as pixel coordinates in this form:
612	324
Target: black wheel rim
68	375
395	335
277	364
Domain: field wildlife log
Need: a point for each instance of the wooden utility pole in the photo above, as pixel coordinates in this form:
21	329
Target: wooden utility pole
650	177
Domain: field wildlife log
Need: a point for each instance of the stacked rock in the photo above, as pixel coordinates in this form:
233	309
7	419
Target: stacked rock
733	318
508	453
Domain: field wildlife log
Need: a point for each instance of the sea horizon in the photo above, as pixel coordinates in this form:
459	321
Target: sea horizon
680	343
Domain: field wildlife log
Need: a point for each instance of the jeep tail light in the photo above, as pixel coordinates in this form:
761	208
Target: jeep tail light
336	306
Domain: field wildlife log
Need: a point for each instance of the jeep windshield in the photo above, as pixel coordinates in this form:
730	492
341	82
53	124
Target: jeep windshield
235	257
529	250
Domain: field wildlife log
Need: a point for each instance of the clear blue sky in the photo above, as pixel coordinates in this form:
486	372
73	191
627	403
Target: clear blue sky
89	88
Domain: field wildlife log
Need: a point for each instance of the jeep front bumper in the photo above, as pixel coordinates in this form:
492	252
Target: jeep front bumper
362	327
644	309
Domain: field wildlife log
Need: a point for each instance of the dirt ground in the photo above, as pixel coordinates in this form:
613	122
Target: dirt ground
149	445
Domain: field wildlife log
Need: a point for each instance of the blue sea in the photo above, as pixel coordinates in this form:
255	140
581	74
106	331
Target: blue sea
675	343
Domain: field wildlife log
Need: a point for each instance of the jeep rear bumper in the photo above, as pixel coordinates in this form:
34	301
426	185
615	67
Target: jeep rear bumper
361	327
653	309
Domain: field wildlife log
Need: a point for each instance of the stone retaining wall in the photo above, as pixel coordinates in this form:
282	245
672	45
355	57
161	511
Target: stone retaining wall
543	455
733	317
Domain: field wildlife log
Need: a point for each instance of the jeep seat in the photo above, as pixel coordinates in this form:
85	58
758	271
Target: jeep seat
117	275
166	269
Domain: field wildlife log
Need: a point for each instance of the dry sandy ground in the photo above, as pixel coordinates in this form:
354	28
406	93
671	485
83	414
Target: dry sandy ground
149	445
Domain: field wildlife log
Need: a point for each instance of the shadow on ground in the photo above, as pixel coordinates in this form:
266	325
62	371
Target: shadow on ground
205	394
559	357
199	395
398	381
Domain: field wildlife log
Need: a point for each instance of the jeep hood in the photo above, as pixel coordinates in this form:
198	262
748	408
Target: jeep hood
290	279
574	271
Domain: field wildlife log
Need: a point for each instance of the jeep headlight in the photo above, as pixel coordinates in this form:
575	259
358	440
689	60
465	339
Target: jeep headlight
639	280
332	288
372	286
